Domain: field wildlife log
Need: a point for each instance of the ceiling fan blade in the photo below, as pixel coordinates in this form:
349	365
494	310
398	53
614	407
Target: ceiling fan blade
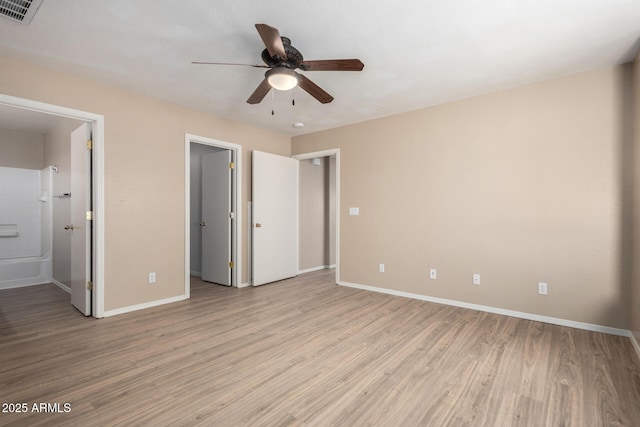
271	38
314	90
261	91
332	65
229	63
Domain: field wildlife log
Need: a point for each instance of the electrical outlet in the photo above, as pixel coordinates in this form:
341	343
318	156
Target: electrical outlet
152	277
381	268
542	288
476	279
433	273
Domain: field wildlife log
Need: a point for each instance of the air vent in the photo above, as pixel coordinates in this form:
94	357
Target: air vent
21	11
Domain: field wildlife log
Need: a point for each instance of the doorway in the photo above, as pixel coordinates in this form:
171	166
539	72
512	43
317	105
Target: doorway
329	252
219	243
93	289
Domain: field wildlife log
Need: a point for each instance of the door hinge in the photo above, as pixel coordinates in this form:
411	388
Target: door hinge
230	264
232	215
89	144
89	215
89	286
232	165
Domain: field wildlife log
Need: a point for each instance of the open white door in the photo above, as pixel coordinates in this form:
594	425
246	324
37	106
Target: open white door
81	222
275	217
216	217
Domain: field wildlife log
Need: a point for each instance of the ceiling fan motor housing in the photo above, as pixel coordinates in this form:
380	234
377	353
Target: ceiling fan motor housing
294	57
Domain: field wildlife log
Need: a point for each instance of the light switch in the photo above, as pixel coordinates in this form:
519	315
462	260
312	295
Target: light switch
354	211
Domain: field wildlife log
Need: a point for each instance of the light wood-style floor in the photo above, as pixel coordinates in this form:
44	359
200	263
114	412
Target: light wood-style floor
306	352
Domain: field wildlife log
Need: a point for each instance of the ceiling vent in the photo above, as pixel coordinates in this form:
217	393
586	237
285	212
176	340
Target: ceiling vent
21	11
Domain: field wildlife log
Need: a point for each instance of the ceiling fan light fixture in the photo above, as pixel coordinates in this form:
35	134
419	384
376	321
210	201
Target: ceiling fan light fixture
282	78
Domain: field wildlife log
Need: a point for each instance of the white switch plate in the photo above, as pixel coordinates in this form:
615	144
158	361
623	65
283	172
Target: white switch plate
542	288
476	279
152	277
433	273
354	211
381	268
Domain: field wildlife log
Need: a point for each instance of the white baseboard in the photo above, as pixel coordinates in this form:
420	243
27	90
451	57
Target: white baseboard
62	286
244	285
635	344
495	310
320	267
195	273
137	307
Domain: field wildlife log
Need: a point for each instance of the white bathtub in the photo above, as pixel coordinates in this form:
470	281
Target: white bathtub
17	272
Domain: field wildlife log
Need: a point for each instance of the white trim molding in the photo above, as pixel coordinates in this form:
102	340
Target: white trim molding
143	306
494	310
634	343
62	286
318	268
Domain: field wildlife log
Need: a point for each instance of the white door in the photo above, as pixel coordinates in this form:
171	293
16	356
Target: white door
274	243
80	227
216	217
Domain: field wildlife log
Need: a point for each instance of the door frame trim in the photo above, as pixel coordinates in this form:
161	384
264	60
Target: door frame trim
97	128
327	153
236	189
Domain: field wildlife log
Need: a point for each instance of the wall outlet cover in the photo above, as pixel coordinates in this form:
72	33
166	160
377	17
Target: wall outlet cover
542	288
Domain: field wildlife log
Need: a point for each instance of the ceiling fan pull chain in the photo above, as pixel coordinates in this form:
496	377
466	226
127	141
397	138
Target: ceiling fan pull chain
272	103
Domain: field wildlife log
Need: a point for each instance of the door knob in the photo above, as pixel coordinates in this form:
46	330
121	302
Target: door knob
68	227
258	225
203	224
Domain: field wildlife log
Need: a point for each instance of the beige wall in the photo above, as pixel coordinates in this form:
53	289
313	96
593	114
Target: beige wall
57	151
20	149
144	175
521	186
635	290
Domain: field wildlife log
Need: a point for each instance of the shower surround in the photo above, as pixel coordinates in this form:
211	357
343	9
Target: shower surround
25	227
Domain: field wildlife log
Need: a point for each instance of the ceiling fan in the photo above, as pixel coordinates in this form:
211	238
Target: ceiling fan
282	60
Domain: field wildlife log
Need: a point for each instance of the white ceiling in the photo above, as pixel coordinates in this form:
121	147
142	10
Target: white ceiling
416	53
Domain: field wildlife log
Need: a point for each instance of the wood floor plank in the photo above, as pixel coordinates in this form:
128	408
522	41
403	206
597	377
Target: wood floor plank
304	352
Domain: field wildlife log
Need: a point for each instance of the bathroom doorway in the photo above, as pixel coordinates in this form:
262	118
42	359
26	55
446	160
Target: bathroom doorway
62	121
